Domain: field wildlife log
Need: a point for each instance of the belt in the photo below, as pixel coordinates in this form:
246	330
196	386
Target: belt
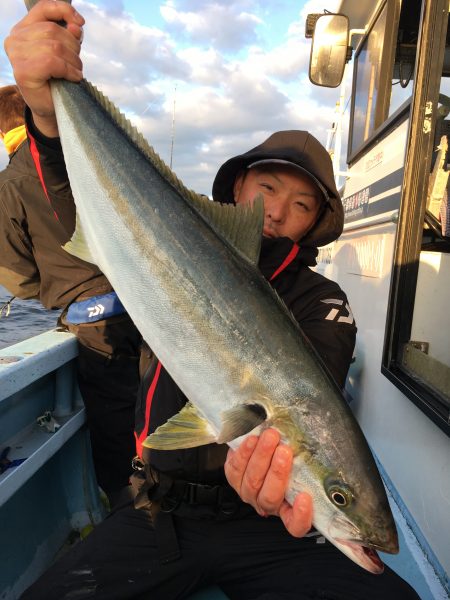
222	499
174	497
94	309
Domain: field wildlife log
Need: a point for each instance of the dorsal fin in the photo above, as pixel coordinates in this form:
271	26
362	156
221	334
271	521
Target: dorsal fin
240	226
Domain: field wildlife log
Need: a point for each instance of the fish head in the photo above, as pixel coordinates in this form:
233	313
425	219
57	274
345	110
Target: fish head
352	514
350	506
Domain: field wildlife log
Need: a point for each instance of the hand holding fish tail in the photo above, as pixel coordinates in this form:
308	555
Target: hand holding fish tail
259	470
39	49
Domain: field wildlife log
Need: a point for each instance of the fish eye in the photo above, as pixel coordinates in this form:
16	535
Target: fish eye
340	495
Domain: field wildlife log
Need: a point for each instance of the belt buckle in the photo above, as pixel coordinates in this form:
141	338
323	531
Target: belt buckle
137	464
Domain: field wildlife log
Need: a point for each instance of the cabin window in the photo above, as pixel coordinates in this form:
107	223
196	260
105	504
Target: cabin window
367	82
379	91
405	54
417	345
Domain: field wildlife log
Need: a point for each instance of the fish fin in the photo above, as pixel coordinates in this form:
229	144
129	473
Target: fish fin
186	429
77	245
136	137
240	420
241	225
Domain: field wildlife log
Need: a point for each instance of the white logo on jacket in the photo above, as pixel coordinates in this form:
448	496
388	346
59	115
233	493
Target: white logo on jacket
343	313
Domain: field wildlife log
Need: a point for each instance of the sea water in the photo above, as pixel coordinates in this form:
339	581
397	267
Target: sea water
26	318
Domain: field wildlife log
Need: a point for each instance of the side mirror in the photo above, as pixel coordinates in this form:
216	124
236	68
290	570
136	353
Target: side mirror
329	50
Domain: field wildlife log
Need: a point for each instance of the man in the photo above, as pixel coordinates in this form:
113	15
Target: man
37	217
212	515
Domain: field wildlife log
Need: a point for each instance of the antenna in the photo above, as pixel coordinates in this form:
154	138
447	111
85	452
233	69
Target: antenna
173	125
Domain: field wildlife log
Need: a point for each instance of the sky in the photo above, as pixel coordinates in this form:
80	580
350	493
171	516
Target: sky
203	80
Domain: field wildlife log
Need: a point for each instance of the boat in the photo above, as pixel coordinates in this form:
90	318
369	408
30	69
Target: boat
393	261
390	60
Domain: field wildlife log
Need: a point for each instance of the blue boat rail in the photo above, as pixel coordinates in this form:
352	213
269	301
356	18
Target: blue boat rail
49	497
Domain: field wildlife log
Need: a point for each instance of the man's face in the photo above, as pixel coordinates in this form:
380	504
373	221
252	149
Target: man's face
291	200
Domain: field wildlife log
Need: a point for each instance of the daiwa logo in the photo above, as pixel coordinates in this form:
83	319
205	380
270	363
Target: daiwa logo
342	314
96	310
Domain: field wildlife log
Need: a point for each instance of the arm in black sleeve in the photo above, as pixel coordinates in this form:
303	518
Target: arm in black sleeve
331	329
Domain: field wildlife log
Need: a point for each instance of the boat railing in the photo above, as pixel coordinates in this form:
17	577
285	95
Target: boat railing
48	493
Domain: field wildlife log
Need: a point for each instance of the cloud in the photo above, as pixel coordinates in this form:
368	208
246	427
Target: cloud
225	26
239	70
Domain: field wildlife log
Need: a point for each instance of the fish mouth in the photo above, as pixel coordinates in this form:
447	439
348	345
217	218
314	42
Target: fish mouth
363	548
364	555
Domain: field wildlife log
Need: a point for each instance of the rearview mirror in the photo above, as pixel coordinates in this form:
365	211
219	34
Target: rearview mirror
329	50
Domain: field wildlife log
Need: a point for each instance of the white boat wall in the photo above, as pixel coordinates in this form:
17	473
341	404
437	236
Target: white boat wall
393	259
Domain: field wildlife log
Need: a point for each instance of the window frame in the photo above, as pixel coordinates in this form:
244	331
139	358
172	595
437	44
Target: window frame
428	71
385	83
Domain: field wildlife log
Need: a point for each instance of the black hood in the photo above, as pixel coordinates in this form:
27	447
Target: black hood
305	151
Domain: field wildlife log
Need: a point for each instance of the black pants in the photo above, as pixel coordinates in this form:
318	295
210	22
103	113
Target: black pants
249	558
108	378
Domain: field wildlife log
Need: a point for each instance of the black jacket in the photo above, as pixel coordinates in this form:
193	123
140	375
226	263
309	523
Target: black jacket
322	310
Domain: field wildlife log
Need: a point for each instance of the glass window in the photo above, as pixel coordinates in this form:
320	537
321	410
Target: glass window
367	79
405	54
426	355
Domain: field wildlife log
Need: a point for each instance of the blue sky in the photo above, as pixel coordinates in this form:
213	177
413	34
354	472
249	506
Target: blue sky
230	71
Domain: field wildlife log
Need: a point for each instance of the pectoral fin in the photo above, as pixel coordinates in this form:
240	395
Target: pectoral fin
240	420
189	429
186	429
77	246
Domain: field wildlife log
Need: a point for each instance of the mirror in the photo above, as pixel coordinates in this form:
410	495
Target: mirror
329	50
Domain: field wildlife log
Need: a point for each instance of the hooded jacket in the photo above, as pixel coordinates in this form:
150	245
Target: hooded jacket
37	217
305	152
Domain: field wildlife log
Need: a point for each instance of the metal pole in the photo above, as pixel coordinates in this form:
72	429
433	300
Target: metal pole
173	126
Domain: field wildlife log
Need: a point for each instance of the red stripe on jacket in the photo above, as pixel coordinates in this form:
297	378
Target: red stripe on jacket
37	163
148	406
287	261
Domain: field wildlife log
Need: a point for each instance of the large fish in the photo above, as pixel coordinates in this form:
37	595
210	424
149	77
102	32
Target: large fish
185	269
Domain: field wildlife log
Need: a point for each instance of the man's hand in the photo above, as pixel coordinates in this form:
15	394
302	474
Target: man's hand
38	49
259	471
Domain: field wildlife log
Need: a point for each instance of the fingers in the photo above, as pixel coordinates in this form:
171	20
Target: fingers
237	461
53	10
39	49
298	518
39	41
259	471
272	492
